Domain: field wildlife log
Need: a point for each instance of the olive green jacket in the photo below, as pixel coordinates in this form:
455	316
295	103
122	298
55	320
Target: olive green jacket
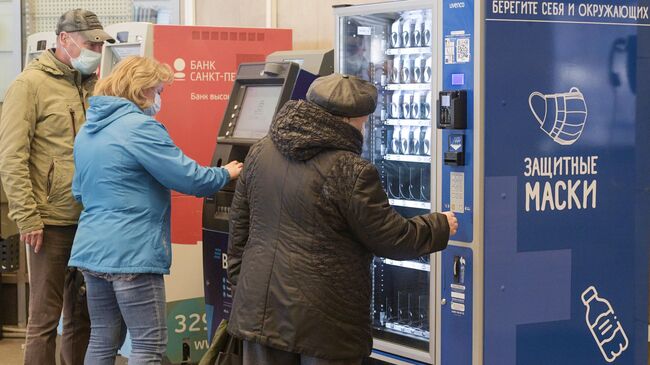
43	110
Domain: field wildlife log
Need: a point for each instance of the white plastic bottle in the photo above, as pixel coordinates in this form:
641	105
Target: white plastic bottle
604	325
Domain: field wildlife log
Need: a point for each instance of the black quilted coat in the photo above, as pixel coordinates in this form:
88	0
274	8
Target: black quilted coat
307	217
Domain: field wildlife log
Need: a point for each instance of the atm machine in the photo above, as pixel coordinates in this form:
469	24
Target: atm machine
312	63
132	39
37	43
260	90
316	62
534	132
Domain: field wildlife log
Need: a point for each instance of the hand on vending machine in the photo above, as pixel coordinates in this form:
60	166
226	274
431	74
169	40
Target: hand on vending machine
453	222
234	169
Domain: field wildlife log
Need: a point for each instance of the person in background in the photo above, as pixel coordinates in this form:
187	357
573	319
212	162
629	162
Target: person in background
42	112
125	167
307	217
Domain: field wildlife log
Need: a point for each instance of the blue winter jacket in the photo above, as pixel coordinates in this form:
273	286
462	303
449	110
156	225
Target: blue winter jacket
125	166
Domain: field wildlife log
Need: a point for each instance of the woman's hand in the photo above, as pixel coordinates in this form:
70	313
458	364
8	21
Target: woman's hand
453	222
234	169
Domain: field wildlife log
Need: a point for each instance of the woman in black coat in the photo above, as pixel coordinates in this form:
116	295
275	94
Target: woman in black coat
307	217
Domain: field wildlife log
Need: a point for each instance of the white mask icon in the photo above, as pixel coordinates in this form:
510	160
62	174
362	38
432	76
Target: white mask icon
405	74
396	145
407	104
425	106
426	32
416	106
407	29
426	141
415	28
563	115
427	71
419	65
396	105
396	34
397	70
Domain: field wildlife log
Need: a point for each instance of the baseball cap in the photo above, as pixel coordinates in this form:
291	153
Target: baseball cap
343	95
84	22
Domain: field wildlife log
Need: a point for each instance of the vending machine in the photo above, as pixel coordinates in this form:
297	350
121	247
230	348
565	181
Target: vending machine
528	120
394	46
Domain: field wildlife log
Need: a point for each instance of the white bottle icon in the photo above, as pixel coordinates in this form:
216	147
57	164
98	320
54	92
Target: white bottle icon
604	325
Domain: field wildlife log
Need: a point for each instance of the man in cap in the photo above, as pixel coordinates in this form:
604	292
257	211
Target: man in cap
43	110
307	217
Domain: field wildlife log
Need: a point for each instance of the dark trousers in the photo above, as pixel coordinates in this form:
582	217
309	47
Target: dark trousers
54	287
256	354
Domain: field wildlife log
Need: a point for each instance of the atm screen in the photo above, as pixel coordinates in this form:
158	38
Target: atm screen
299	61
257	111
122	51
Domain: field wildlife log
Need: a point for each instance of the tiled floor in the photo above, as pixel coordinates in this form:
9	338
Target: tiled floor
11	351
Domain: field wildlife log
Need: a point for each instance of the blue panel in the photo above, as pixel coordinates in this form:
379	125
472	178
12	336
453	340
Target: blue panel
520	288
303	82
642	197
218	294
566	200
458	74
458	290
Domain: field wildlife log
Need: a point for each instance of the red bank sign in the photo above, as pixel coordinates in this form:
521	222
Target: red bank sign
205	61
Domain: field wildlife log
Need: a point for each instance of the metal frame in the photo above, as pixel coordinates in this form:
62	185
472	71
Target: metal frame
477	244
479	183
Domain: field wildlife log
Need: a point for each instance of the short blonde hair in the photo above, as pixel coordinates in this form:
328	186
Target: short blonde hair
132	76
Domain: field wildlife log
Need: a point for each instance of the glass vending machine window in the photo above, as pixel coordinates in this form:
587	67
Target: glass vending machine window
393	50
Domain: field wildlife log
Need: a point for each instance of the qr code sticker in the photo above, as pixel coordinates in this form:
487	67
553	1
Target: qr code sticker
462	50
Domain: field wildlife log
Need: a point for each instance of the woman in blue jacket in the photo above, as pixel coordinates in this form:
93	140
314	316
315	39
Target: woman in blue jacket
125	166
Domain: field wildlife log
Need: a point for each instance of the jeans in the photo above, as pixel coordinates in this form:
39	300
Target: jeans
114	306
54	287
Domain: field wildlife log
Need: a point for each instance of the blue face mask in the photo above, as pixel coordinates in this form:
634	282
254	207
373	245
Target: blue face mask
87	61
155	107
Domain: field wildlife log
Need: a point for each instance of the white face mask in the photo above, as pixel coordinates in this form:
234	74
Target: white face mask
87	61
